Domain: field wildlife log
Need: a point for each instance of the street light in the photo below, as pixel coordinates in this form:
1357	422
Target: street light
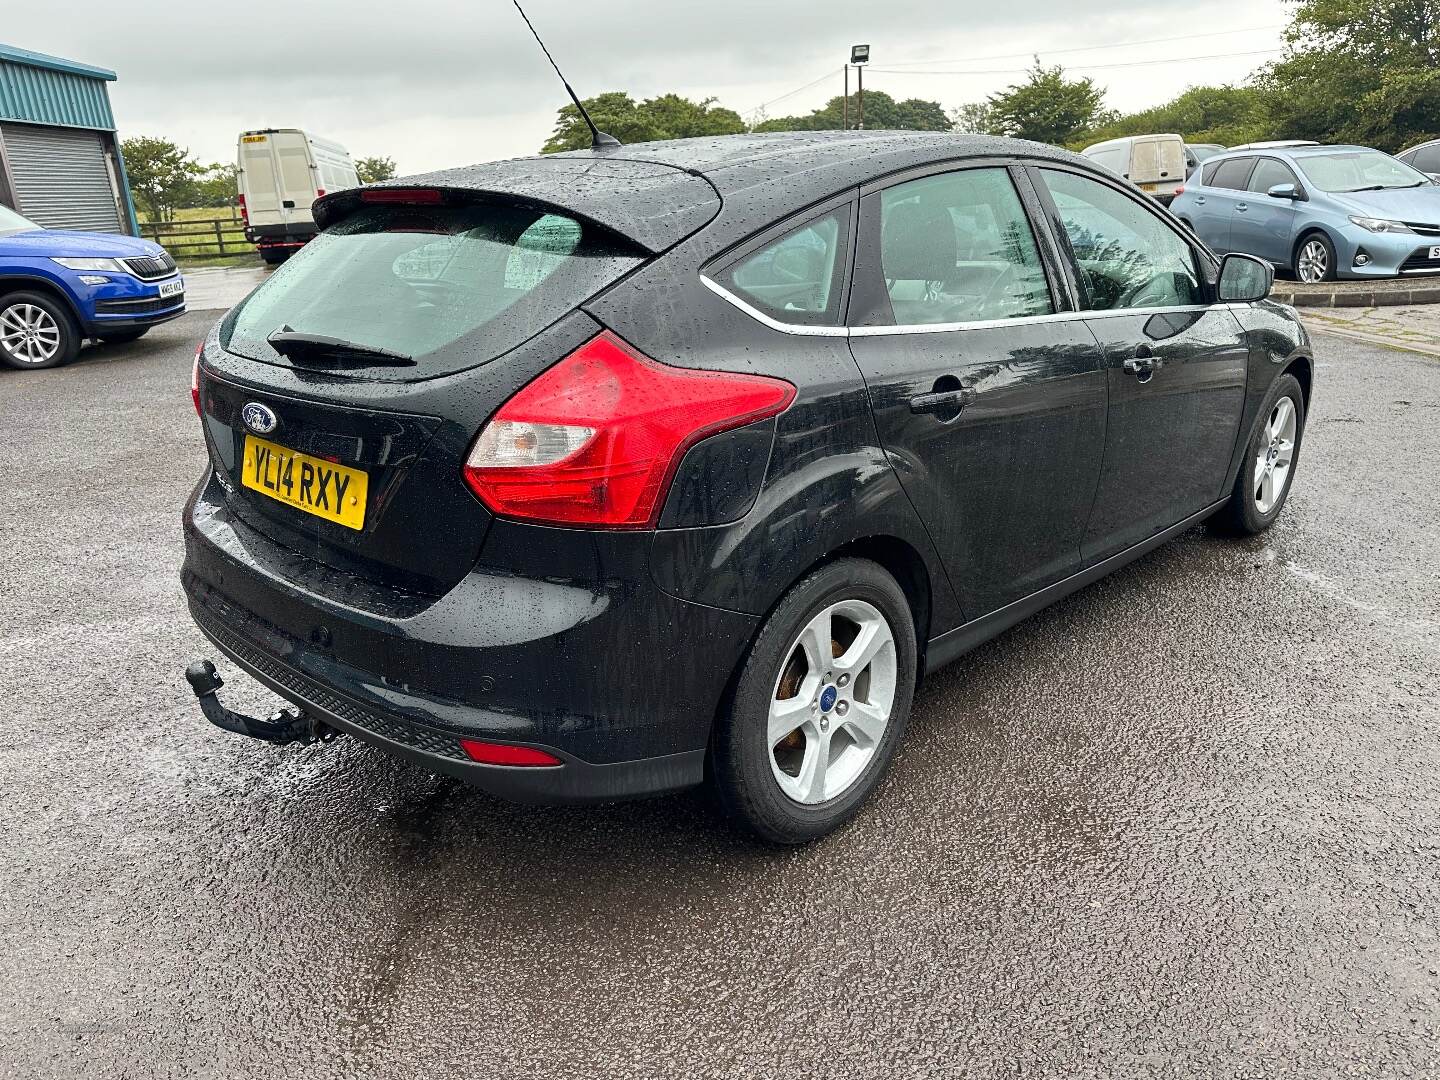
859	56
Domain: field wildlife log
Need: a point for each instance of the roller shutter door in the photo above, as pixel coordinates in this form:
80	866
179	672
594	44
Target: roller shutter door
62	177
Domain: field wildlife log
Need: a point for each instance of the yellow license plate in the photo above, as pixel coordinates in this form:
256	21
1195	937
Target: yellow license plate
252	138
333	492
1150	187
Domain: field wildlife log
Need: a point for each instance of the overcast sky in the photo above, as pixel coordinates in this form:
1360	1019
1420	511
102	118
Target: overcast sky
434	83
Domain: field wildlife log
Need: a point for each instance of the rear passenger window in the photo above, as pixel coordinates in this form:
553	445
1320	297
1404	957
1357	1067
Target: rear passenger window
797	278
1231	174
957	248
1126	255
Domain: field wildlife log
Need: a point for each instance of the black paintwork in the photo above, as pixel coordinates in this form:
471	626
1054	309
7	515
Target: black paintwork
614	650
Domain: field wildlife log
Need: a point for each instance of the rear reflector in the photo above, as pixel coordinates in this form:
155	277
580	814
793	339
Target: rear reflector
401	195
195	379
494	753
595	440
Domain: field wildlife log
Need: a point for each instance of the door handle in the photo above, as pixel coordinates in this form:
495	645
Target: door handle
1243	208
1144	364
943	401
1199	200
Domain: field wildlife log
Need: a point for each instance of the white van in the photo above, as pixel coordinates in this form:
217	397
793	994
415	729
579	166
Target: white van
1153	163
281	172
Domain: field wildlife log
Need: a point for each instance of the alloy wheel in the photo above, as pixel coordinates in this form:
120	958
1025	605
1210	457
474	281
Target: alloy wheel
1314	261
1277	451
29	333
832	702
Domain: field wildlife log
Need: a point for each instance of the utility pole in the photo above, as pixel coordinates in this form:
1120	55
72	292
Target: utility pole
859	56
845	98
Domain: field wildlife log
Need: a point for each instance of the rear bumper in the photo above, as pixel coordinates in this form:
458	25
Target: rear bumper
279	235
614	677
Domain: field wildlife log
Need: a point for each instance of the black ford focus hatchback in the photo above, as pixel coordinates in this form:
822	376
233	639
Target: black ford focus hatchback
603	474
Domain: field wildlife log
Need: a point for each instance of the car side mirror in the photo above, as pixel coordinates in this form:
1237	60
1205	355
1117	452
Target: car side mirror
1285	191
1245	279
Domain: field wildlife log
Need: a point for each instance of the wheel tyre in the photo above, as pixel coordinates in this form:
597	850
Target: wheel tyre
1315	251
1243	515
19	307
121	338
273	256
742	773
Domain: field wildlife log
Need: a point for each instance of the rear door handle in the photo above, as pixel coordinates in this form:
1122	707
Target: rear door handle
943	401
1242	207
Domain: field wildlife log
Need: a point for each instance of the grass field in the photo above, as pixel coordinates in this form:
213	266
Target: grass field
192	232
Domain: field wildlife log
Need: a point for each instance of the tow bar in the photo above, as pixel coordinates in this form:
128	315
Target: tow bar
282	727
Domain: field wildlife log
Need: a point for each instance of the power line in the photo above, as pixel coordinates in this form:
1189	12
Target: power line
1087	67
828	75
894	69
1087	48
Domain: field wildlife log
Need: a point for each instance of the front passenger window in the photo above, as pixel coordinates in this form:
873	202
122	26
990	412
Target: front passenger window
1126	255
957	247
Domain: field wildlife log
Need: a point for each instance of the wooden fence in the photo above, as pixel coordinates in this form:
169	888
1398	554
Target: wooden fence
209	236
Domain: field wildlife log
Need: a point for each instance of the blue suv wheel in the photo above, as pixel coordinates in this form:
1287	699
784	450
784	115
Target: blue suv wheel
35	332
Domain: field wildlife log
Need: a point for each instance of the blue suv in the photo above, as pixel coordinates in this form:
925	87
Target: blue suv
59	288
1321	212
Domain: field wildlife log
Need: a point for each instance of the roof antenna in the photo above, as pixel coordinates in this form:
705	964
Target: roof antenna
598	139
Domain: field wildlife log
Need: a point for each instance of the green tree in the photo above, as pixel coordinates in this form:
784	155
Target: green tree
1364	71
1228	115
163	176
1047	107
213	186
374	169
882	112
668	116
973	118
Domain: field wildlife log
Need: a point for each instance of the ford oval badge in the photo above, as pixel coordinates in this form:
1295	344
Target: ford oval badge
260	419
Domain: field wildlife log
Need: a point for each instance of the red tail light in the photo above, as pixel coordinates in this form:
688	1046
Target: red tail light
195	379
244	212
1180	190
494	753
319	191
595	440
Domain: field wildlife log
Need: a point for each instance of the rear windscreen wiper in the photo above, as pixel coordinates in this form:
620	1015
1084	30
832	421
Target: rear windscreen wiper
321	351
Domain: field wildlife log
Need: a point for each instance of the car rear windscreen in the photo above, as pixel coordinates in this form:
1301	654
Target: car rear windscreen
450	286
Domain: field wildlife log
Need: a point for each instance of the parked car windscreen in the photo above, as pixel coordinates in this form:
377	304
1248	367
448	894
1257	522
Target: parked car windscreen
414	279
11	222
1358	170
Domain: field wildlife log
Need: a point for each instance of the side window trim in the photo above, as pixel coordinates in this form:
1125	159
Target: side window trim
1204	262
868	283
722	264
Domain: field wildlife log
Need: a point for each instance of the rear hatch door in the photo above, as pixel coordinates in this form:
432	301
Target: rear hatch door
341	397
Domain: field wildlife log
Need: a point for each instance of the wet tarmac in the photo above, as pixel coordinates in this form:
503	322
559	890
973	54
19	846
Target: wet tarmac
1182	824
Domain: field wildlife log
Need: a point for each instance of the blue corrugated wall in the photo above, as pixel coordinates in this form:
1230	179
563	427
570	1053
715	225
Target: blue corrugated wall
53	97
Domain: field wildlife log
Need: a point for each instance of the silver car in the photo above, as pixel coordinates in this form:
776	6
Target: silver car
1320	211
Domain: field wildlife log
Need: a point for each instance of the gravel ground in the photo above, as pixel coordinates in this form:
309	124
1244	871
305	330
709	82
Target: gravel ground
1182	824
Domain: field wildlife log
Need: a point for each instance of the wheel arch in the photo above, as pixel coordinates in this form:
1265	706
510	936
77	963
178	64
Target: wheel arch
1302	366
897	557
1305	234
14	283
